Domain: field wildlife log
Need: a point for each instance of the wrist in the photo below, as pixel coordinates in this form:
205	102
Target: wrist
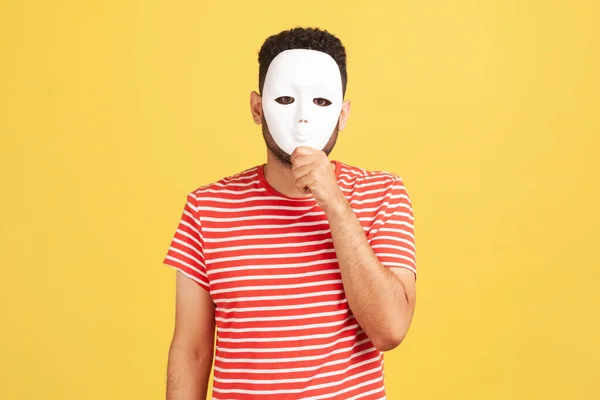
339	208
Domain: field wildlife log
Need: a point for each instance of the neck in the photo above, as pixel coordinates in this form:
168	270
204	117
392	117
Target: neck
280	177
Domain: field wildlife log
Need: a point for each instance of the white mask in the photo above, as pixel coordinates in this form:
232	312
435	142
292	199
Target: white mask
304	82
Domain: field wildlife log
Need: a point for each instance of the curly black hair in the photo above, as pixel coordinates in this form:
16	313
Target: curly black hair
301	38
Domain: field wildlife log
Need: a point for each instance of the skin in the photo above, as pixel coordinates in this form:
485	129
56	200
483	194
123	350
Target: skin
192	347
382	299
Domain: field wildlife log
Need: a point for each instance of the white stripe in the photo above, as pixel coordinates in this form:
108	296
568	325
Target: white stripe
269	236
365	177
401	231
214	271
395	256
286	245
394	238
186	234
381	222
367	192
400	196
249	227
269	287
282	317
360	172
255	208
235	201
290	359
384	223
189	214
190	205
389	246
290	339
373	200
358	184
281	276
381	206
393	264
397	213
325	396
279	308
286	328
176	250
186	264
379	389
219	184
283	297
264	216
188	245
369	219
248	174
262	190
261	256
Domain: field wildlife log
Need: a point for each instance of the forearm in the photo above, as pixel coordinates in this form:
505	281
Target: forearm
376	297
187	374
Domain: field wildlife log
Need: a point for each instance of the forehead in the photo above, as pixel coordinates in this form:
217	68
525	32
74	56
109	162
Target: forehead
304	67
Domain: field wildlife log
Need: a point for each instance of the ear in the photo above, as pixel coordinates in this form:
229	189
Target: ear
256	107
344	114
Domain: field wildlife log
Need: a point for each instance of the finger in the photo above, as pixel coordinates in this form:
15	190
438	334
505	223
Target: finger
301	161
307	181
301	171
303	151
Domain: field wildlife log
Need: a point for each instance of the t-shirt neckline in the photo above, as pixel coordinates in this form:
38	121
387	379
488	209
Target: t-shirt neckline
267	186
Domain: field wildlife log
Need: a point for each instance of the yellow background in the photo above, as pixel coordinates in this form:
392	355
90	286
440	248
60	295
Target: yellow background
112	111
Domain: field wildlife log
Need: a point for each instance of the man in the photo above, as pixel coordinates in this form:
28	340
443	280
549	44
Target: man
306	266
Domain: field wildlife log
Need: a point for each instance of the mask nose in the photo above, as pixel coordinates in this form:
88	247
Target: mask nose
302	112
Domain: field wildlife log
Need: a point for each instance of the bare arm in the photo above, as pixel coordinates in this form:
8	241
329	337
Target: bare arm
382	299
192	347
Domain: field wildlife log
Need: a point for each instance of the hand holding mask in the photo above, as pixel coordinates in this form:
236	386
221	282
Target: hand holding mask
314	173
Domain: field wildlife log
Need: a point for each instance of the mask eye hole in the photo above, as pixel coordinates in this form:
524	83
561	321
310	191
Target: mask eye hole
322	102
285	100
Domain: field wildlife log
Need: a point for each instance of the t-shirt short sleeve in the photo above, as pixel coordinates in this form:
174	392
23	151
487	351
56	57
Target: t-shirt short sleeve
186	252
392	234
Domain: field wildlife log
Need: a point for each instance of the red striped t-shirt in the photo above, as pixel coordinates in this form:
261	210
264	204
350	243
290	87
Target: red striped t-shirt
284	328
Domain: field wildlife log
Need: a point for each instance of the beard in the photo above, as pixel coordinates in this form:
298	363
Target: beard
284	157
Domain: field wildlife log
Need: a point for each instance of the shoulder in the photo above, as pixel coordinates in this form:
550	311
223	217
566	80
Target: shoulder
360	177
232	184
